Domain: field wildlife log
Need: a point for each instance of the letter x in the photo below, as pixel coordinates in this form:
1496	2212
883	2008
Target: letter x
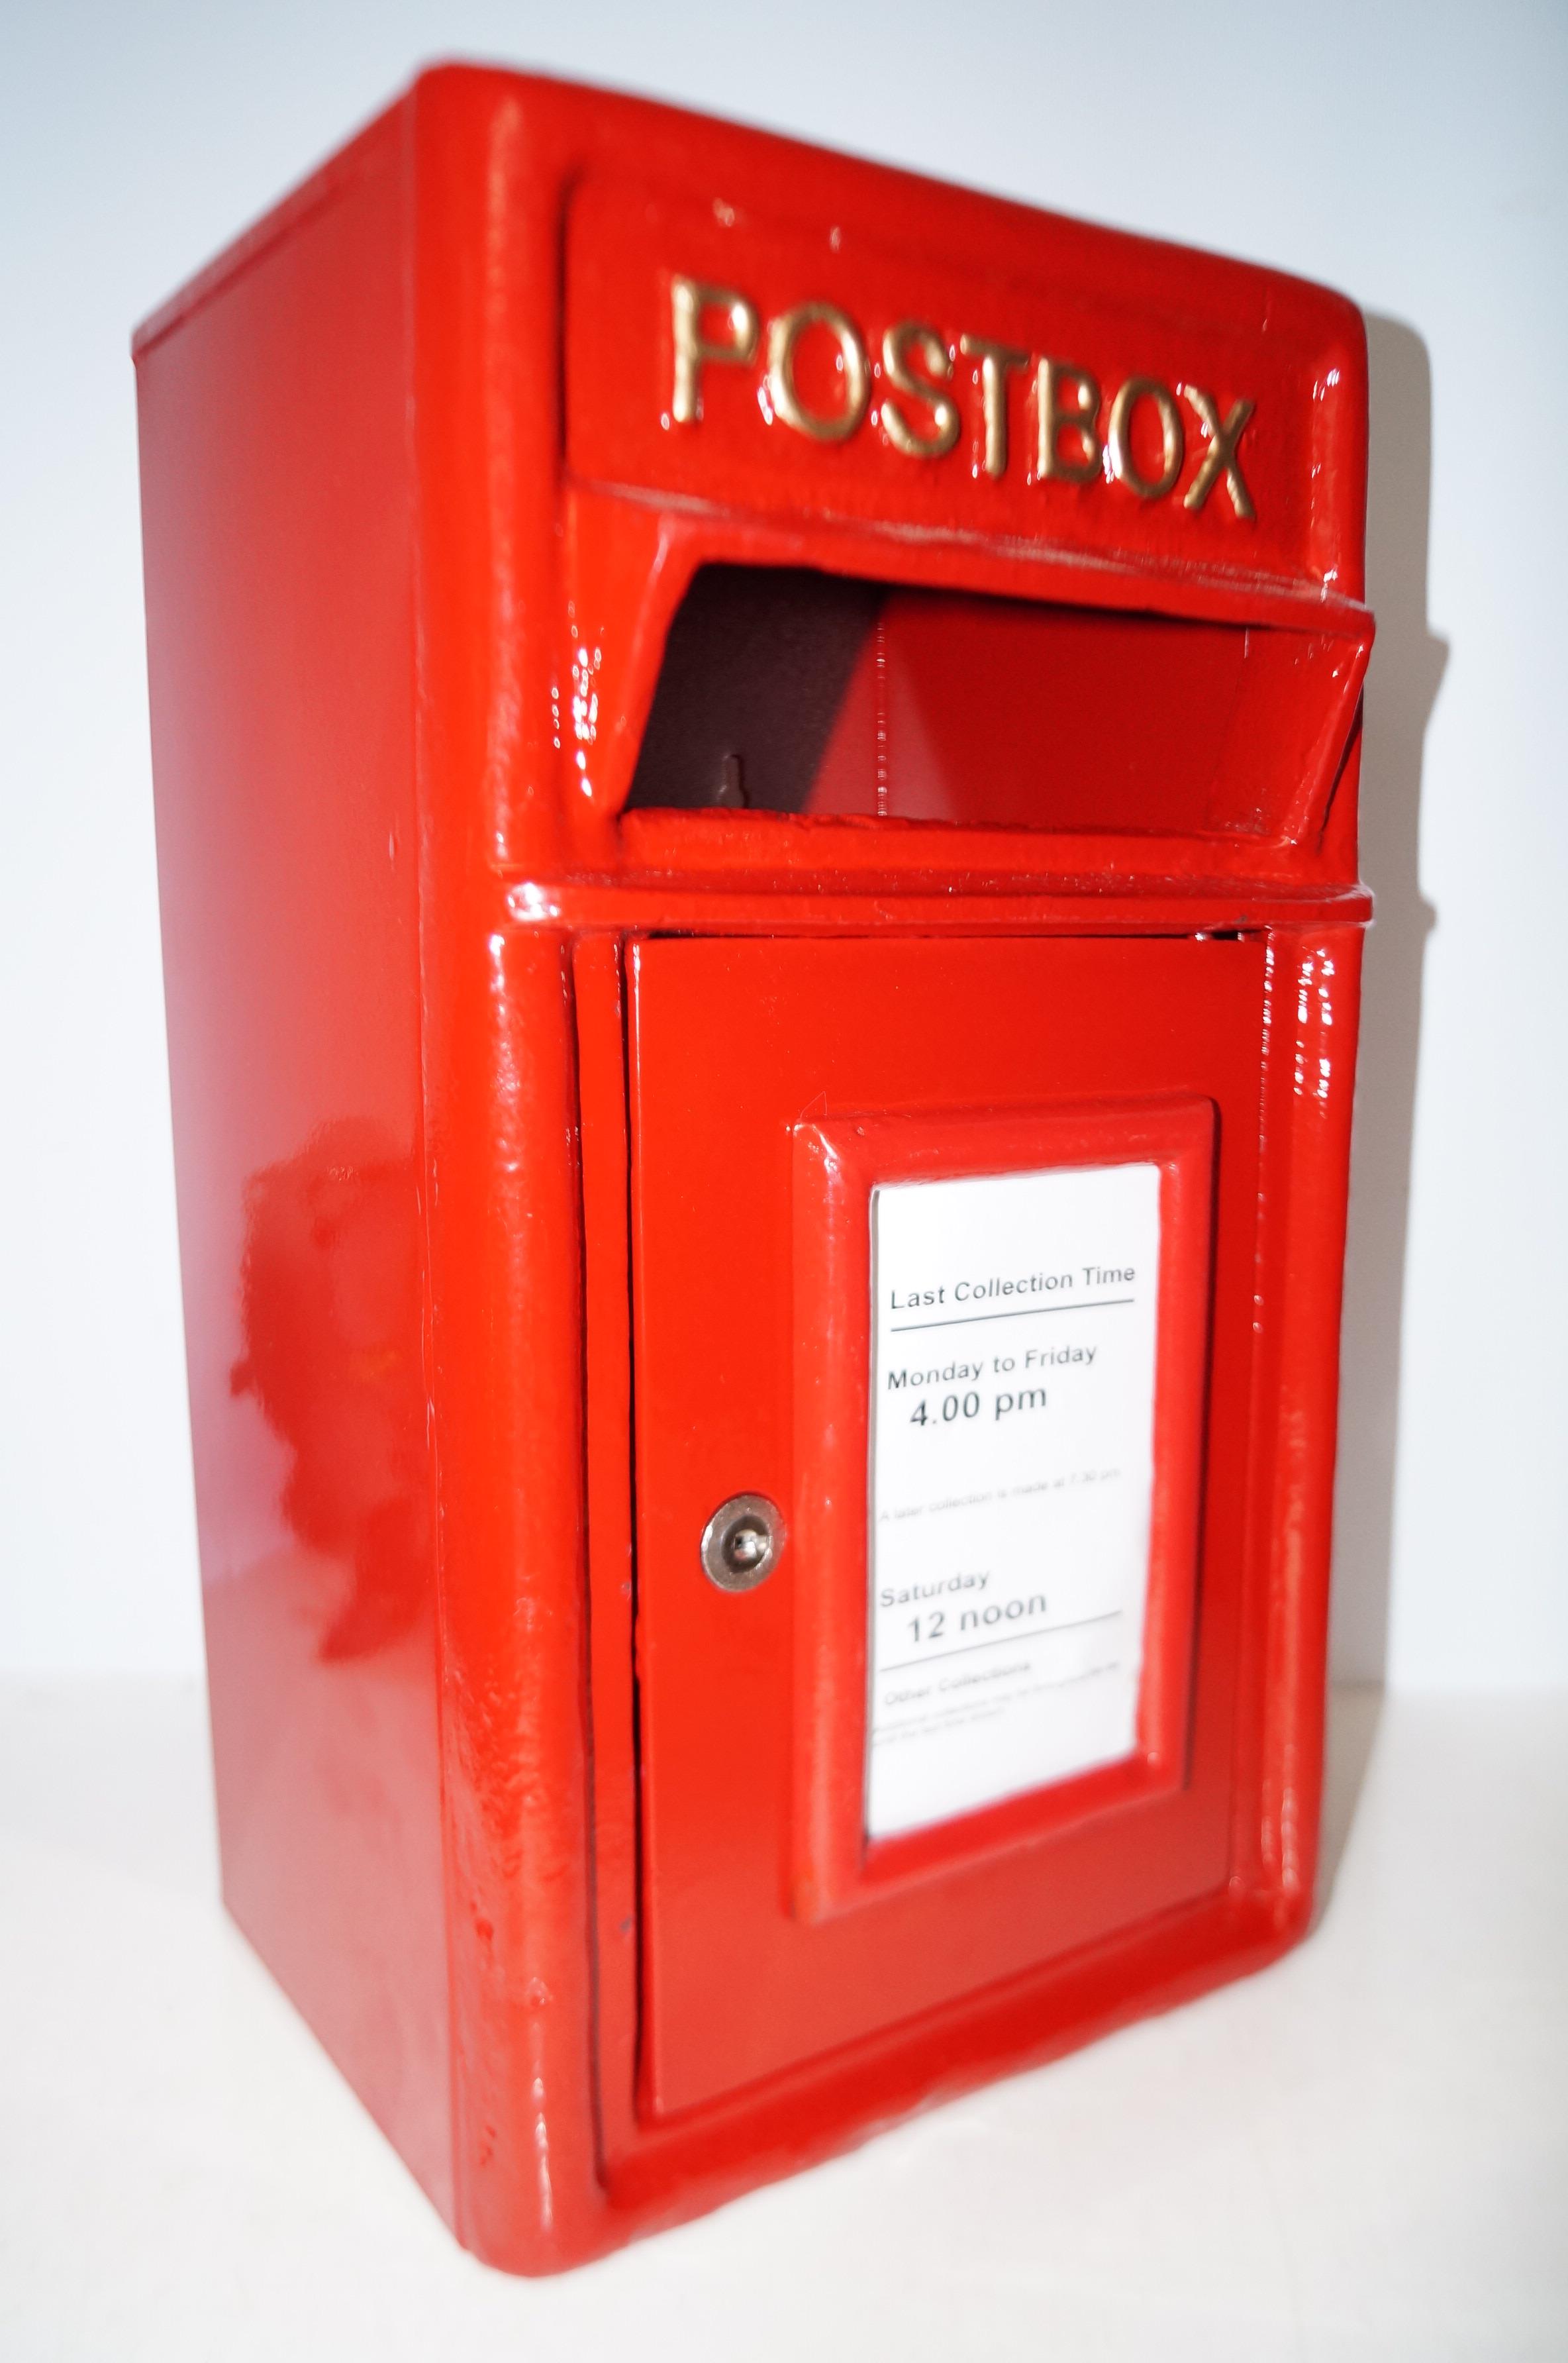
1219	458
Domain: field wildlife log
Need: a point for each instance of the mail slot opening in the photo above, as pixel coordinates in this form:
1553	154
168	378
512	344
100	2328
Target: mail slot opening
784	690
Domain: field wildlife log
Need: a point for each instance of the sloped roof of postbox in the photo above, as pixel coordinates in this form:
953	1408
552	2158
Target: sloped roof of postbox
634	195
1177	430
573	125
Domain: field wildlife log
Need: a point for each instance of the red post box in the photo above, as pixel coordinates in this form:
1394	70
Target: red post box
756	781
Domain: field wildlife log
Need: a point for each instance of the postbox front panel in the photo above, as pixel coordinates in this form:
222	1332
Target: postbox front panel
978	1714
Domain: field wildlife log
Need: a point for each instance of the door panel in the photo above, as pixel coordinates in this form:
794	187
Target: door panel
734	1047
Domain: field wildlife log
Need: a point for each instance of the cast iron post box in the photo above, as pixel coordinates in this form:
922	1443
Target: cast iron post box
757	777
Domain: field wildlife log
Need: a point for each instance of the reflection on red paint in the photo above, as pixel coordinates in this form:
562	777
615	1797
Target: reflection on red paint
330	1307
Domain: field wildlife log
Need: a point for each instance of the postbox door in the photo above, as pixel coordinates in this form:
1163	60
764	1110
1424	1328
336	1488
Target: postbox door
904	1051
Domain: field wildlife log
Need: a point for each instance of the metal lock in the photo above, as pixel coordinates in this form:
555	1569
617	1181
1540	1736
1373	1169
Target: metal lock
741	1542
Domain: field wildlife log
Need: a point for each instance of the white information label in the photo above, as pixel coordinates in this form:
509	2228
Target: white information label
1012	1468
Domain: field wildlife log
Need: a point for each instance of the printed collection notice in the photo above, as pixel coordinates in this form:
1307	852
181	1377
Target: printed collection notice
1012	1470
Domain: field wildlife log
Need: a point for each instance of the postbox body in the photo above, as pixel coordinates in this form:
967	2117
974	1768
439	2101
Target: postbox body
756	768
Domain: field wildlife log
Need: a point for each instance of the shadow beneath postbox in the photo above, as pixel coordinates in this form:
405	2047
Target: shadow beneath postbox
1406	669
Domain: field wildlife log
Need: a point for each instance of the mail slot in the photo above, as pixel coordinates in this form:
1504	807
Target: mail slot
756	768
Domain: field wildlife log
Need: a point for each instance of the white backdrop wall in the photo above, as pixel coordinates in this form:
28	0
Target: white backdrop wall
1415	156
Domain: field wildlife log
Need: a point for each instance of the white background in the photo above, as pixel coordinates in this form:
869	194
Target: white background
1414	156
1361	2157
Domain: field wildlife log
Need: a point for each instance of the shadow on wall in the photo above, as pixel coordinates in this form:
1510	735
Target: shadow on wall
1406	668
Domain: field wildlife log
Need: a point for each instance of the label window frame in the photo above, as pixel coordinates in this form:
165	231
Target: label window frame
838	1160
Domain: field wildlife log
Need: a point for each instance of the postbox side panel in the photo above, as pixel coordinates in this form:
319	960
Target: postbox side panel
732	1047
277	559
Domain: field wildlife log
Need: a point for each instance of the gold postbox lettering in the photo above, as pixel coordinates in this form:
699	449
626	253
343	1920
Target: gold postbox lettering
1067	403
912	341
1119	437
997	365
1219	459
919	415
692	303
783	335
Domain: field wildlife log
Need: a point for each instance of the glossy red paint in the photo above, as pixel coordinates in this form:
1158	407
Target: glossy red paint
500	1063
752	1715
836	1164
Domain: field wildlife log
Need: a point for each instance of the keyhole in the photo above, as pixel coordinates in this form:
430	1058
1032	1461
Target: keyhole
741	1542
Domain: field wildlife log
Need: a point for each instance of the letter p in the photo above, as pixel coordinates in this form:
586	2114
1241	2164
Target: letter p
691	305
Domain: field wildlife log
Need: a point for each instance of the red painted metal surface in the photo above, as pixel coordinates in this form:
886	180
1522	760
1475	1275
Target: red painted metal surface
729	1044
837	1163
466	633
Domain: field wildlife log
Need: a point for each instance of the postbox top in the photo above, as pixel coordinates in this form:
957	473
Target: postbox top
655	359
